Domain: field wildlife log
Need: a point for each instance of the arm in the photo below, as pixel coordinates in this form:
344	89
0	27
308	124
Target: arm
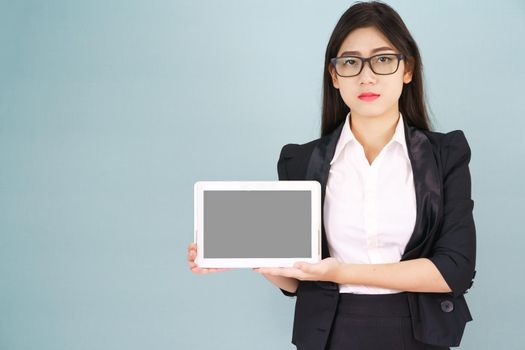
454	251
450	266
451	262
418	275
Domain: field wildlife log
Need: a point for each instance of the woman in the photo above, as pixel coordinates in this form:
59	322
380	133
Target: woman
398	233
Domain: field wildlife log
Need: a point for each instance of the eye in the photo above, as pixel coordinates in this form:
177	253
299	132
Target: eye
349	61
383	59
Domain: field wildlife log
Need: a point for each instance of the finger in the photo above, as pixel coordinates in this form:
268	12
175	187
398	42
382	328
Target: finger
191	257
262	270
202	271
281	271
305	267
198	270
293	273
221	269
298	274
278	272
192	265
266	270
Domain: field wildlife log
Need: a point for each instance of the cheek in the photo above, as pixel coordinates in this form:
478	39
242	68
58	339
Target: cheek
348	93
390	90
396	90
393	89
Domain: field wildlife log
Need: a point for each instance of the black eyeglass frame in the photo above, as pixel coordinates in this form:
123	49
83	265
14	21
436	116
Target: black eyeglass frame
364	60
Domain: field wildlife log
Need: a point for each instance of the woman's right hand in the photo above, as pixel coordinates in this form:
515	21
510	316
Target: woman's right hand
192	254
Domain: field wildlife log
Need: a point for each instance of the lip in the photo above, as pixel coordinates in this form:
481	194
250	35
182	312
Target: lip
368	96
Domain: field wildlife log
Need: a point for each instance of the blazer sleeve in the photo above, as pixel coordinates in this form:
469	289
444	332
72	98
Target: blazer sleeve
283	175
281	168
454	251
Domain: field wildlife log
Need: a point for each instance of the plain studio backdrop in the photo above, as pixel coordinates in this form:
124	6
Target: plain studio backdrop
111	110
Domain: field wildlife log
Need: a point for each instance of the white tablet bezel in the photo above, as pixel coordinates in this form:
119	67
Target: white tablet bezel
315	194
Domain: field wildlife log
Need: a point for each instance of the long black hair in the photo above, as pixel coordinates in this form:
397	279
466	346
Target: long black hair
381	16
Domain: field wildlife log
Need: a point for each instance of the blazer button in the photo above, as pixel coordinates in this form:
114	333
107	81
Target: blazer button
447	306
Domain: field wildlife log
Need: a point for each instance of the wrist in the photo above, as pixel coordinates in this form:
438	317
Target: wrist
341	272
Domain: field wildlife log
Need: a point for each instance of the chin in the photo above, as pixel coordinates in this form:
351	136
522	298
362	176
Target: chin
371	109
369	112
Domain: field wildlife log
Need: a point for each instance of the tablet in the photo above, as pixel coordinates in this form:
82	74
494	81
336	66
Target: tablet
257	223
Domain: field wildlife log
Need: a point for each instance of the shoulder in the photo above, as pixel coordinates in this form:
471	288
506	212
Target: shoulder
293	160
302	151
293	150
451	147
452	138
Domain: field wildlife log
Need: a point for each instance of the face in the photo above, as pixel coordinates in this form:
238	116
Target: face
366	42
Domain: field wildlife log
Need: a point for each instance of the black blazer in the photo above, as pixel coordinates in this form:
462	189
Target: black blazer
444	232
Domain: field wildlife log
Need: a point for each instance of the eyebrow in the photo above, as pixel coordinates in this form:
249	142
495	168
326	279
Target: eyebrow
383	48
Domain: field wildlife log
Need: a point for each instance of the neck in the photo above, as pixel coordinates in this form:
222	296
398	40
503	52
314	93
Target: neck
374	132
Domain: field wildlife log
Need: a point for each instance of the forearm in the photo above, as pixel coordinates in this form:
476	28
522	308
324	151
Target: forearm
289	284
418	275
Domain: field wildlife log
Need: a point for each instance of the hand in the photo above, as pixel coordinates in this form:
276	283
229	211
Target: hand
192	254
326	270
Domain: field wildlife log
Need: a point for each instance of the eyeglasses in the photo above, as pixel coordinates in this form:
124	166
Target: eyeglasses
383	64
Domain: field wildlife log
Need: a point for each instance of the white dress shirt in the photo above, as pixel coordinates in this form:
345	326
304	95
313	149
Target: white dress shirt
369	210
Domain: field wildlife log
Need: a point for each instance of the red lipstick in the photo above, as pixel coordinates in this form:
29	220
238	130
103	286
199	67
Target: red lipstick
368	96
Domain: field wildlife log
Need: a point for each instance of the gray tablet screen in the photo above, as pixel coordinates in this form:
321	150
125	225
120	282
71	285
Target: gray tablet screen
257	224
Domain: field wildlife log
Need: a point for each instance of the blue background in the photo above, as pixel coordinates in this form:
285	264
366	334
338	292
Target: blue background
111	110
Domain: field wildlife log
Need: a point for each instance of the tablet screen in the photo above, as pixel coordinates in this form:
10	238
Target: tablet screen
243	224
257	224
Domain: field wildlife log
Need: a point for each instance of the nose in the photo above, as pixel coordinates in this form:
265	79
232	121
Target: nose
367	76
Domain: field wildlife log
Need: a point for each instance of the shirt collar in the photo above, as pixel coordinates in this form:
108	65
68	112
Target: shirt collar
347	136
399	136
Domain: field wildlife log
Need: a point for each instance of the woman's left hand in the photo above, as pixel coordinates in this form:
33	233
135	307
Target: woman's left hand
327	269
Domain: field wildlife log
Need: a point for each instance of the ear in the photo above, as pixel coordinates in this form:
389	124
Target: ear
333	74
409	69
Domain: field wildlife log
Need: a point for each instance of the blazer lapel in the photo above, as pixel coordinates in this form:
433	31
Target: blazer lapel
318	170
427	182
428	185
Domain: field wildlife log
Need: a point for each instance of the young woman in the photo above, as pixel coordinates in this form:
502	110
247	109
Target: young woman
398	233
